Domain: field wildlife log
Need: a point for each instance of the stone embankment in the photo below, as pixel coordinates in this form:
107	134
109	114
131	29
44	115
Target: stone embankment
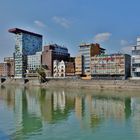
78	83
96	84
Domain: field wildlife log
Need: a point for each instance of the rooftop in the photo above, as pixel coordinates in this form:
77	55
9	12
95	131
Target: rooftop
91	44
17	31
56	46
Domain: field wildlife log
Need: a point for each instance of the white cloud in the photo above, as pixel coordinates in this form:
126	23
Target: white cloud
102	37
124	42
127	49
126	46
62	21
39	23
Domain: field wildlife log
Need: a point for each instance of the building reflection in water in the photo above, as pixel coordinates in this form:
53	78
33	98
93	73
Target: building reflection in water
59	101
26	114
78	107
135	107
35	107
55	106
8	95
92	110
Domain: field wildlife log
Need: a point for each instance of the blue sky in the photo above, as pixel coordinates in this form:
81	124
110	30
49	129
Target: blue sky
114	24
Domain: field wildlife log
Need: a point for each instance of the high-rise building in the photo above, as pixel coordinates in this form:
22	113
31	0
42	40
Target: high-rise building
87	51
54	52
34	62
27	43
135	68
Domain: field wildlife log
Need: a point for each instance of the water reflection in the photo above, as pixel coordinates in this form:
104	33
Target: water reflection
55	106
135	106
34	108
92	110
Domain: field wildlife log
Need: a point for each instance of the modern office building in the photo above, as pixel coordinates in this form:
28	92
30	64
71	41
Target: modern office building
114	66
34	62
63	69
54	52
88	51
135	67
27	43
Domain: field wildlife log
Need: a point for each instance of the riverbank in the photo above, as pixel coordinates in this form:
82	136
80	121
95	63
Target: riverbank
78	83
96	84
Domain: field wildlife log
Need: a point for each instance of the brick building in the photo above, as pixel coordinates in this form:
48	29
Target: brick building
11	64
7	67
54	52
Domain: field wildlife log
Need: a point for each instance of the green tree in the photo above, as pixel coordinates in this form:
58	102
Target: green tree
42	74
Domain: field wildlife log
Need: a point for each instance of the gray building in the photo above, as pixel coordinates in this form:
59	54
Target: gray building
34	62
27	43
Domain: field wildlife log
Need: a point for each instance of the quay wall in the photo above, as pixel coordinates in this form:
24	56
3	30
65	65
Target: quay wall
96	84
78	83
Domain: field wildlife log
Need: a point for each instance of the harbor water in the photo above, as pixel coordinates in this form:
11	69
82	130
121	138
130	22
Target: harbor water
35	113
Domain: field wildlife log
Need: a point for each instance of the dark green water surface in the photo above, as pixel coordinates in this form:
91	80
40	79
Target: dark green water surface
68	114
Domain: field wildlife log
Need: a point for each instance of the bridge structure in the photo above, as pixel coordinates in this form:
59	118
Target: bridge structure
3	79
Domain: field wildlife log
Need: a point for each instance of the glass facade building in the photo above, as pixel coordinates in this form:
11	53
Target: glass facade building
27	43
